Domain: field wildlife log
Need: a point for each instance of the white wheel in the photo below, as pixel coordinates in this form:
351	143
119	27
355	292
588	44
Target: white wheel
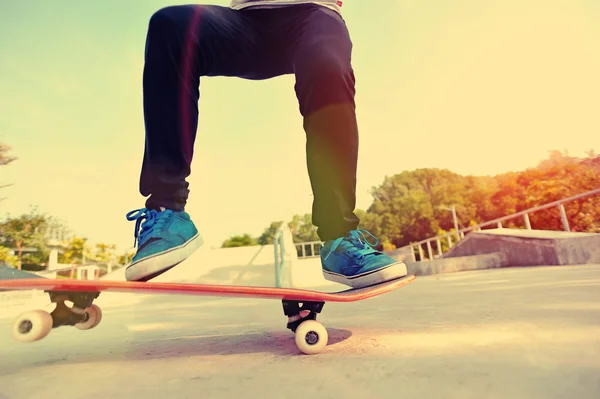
94	317
311	337
32	326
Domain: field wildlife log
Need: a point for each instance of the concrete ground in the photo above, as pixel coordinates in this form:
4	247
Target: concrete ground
503	333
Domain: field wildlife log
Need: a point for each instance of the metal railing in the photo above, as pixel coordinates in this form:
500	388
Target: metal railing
284	256
460	234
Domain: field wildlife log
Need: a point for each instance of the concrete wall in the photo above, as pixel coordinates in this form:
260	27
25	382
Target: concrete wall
583	250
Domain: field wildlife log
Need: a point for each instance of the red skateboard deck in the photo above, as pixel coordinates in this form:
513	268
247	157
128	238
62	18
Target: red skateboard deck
63	285
301	306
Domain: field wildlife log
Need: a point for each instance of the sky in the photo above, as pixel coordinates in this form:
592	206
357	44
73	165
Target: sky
479	87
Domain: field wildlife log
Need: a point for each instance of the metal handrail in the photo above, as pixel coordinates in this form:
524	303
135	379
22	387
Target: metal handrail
284	257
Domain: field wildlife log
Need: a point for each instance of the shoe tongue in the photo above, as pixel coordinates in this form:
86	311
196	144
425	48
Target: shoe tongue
361	244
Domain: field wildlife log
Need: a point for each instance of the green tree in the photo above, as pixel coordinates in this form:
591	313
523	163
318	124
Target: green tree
239	241
410	206
104	253
6	258
302	228
559	177
26	231
73	252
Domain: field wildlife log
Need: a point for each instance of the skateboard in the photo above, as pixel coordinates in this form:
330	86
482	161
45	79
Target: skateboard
299	305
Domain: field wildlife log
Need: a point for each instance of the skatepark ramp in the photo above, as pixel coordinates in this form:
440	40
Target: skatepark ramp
531	247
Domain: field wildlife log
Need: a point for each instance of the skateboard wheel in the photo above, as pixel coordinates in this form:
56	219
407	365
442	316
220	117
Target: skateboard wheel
94	317
311	337
32	326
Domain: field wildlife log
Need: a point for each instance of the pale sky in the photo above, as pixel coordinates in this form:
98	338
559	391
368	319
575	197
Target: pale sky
474	86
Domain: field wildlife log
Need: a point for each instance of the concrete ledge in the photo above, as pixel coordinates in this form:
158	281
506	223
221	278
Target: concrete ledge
532	247
457	264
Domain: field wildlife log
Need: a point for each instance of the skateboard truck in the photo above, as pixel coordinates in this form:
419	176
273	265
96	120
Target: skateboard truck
311	336
35	325
293	309
62	315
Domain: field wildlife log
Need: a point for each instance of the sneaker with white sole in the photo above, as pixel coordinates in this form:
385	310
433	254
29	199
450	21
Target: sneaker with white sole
164	239
353	261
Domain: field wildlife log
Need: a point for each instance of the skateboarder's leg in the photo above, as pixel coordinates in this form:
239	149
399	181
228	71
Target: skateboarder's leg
325	86
183	43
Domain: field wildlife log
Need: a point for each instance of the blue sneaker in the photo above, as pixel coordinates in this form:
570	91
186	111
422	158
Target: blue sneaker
166	239
352	260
